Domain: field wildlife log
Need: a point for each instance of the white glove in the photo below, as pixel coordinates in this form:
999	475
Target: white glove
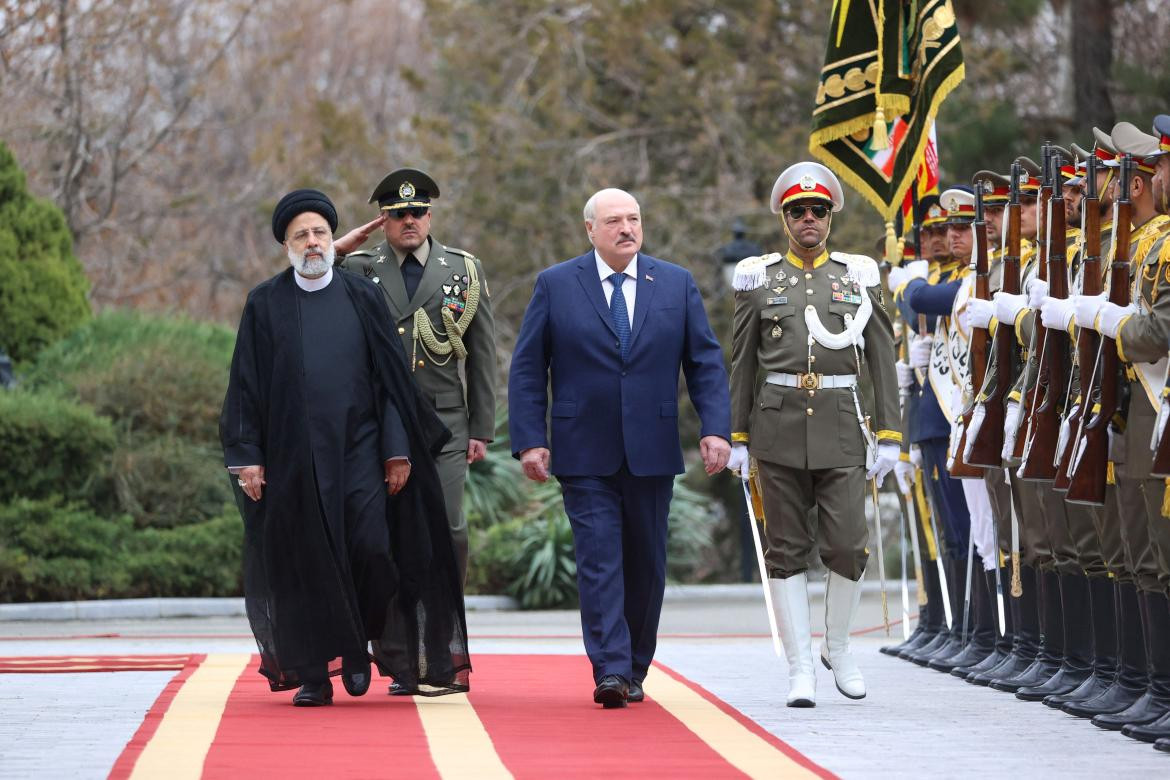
1011	424
737	462
918	269
904	473
1110	317
1008	307
978	314
898	277
905	375
1035	289
887	458
920	350
916	456
1086	307
1056	312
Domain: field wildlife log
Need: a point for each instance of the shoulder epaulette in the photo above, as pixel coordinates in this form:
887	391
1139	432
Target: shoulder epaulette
750	273
362	253
460	252
861	267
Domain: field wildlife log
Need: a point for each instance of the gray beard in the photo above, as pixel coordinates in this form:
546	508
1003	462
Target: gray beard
314	267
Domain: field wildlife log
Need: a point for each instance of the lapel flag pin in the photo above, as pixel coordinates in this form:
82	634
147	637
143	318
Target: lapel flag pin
649	278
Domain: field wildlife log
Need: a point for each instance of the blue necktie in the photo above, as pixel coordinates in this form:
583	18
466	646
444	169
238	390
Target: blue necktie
412	272
621	318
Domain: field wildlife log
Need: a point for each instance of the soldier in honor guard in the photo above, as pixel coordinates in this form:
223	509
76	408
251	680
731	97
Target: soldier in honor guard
807	323
1141	332
925	291
439	302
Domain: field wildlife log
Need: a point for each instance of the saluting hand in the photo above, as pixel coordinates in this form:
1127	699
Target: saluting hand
397	472
356	237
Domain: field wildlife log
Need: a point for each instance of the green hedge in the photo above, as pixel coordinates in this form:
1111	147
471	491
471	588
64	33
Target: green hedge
51	550
51	446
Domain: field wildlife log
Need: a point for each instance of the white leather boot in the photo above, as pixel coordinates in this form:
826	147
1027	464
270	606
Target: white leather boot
841	599
790	602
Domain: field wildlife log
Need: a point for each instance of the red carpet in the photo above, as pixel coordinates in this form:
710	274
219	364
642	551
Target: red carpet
527	716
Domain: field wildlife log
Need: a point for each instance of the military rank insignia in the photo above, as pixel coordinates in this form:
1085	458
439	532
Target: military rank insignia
455	293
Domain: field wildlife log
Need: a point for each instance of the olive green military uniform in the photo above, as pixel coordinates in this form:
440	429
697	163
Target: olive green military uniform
446	284
807	439
1142	340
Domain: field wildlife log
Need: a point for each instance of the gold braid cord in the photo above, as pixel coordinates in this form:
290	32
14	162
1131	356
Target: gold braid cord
454	328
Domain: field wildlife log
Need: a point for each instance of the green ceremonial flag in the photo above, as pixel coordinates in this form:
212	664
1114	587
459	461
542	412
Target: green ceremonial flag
889	64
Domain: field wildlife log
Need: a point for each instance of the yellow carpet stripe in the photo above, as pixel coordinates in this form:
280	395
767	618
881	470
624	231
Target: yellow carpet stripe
179	746
459	744
744	750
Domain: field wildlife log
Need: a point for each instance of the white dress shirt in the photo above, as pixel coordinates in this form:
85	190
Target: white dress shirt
629	283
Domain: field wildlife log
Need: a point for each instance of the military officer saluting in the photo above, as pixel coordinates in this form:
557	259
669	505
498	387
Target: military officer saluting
439	302
807	323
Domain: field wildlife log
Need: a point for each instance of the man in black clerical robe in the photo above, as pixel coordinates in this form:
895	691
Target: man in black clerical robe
346	541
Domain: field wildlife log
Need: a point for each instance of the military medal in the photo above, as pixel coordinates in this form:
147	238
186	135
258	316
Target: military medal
777	331
778	301
836	287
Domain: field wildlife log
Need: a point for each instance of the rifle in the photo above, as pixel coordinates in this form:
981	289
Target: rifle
1161	466
1091	284
985	449
1039	460
1087	478
960	468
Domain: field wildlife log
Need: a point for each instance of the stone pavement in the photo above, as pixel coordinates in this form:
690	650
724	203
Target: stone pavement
914	723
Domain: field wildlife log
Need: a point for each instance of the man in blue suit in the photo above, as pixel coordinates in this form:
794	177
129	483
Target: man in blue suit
614	362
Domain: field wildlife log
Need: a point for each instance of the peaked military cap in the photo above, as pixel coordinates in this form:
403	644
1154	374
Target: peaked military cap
996	187
1080	166
930	211
1103	146
405	188
1030	181
959	202
1162	130
1127	139
806	180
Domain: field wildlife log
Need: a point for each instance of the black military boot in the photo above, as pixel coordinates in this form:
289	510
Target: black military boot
981	641
1158	607
955	570
1077	623
1049	653
935	632
1151	705
928	622
1103	605
1132	677
1026	621
999	648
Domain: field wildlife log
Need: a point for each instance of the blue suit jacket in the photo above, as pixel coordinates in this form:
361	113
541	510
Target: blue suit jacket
604	410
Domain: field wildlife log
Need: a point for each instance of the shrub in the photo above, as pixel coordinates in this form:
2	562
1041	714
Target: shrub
150	374
51	446
162	482
201	559
53	551
43	296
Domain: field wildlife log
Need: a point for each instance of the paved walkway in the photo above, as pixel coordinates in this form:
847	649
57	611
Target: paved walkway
914	723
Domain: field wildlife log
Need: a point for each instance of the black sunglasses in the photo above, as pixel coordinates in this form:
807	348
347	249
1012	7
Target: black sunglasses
418	212
798	212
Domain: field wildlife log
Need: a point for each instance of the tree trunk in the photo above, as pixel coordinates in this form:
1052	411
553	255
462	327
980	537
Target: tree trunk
1092	54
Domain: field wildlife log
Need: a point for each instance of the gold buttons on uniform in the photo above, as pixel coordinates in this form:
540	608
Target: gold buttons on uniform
811	393
401	331
809	411
421	364
808	276
809	291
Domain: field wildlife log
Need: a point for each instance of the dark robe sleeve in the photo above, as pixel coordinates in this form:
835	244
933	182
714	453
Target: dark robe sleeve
395	443
241	424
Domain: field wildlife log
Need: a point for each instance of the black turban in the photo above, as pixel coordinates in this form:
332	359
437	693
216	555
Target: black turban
298	202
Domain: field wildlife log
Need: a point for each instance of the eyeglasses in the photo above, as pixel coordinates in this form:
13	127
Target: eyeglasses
301	236
798	212
418	212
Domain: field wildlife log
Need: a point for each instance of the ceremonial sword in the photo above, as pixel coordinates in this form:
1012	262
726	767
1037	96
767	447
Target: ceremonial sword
938	558
755	533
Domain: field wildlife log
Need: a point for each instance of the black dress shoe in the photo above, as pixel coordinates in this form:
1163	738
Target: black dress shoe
355	676
636	694
314	694
1151	732
1064	681
1145	710
986	665
398	689
1089	689
1163	745
611	692
1116	698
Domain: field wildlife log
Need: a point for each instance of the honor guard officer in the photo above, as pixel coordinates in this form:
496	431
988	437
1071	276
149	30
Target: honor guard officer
810	321
439	301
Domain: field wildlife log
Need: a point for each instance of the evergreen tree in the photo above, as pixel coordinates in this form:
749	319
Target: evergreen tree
43	289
